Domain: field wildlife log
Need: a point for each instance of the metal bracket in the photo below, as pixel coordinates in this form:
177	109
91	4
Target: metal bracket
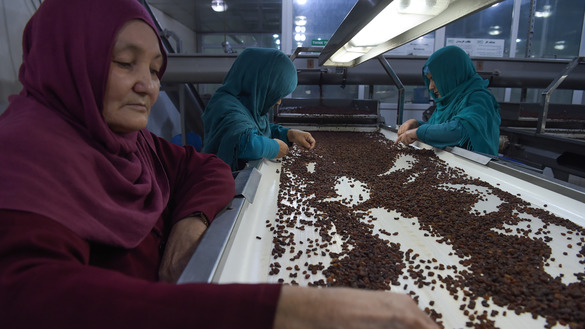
247	183
305	49
545	96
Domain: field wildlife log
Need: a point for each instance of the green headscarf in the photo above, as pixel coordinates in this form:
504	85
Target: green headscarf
456	79
258	79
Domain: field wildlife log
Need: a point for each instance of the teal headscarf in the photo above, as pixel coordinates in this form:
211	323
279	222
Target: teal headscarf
456	79
258	79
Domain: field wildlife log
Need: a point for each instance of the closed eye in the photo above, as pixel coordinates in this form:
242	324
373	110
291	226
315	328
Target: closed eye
123	64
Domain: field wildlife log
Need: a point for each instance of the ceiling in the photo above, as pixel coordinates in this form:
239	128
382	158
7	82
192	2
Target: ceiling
252	16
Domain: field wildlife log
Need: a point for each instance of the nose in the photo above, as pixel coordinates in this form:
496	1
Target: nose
432	86
146	82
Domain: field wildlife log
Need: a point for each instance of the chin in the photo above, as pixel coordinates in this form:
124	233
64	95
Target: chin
139	125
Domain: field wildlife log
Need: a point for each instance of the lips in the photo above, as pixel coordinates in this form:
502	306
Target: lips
139	106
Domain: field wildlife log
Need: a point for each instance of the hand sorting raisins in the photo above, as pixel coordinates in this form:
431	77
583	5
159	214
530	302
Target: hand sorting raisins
489	264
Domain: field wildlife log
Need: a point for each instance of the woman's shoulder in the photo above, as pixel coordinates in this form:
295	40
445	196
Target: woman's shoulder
221	104
480	95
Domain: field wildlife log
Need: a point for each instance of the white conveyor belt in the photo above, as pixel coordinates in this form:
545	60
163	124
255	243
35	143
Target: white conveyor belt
246	254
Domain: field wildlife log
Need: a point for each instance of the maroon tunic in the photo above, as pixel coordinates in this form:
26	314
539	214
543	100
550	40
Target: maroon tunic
52	278
49	279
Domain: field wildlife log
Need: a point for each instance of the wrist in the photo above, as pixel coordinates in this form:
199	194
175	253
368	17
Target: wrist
290	134
200	216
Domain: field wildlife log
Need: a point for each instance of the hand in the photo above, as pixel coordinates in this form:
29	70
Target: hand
409	124
408	137
183	240
302	138
282	148
328	308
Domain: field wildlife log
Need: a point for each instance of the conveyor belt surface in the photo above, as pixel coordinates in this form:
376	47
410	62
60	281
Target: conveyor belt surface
473	246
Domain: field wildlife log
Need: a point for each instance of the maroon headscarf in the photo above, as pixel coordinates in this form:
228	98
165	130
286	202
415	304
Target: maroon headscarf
58	157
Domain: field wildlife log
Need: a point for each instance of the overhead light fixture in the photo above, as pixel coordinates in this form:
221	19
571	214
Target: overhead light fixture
495	30
545	13
300	20
219	5
373	27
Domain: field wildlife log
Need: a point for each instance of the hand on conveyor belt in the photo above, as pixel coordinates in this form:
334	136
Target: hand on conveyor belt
302	138
407	132
313	308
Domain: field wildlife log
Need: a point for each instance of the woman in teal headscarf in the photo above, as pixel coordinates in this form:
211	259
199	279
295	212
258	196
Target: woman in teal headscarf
467	114
236	118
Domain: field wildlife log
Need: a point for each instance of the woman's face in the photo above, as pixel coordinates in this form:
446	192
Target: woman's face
133	83
432	86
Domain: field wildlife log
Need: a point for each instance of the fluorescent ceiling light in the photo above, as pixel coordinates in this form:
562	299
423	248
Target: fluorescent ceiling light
219	5
374	27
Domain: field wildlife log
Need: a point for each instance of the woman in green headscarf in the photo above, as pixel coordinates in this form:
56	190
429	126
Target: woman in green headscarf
236	118
467	114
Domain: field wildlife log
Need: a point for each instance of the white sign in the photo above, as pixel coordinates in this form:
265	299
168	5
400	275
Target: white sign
479	47
420	47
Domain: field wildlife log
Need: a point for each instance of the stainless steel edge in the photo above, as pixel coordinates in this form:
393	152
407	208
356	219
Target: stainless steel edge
247	183
206	259
569	190
469	155
516	170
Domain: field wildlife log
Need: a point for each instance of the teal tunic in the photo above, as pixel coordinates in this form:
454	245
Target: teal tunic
467	113
255	146
236	118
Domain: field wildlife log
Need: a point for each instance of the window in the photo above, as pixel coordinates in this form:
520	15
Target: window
317	20
492	23
557	29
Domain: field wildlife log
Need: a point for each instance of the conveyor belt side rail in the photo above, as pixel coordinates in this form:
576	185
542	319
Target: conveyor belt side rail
205	262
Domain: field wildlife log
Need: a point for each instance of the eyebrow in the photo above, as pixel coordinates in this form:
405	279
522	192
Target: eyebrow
132	47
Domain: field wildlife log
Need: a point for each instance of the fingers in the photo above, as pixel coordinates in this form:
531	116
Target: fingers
407	138
302	138
408	125
403	139
403	128
308	142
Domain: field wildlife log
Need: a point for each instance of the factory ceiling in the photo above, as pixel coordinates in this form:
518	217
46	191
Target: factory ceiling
252	16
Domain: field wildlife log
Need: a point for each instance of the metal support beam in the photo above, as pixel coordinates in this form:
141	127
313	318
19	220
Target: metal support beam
502	72
398	84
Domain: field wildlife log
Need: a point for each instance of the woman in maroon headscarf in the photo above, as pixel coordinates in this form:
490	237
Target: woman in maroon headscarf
95	211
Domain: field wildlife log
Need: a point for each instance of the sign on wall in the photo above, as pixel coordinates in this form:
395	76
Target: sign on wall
479	47
419	47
